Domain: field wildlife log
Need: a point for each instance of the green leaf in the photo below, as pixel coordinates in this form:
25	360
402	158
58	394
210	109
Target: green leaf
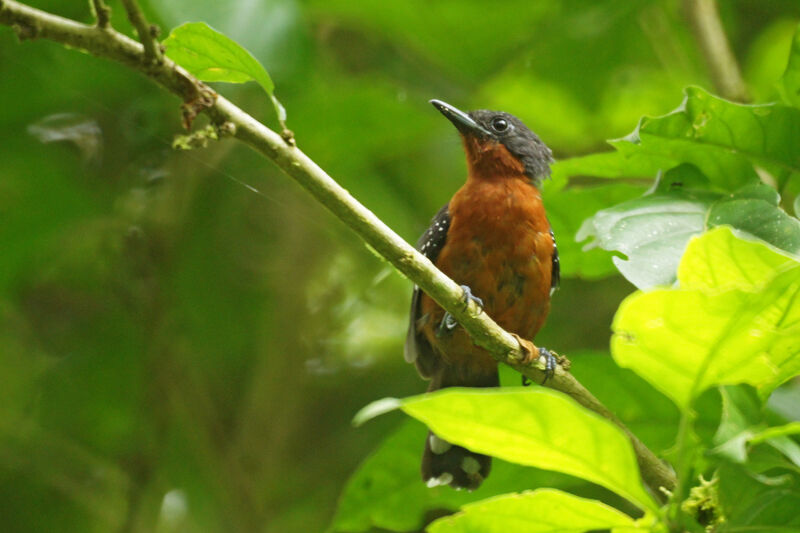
741	411
753	503
723	138
685	340
615	164
792	428
743	426
540	428
760	218
644	410
212	56
387	492
653	231
723	259
796	206
789	85
539	511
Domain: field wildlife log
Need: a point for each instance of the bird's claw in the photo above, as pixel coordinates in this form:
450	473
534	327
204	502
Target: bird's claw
449	322
549	367
469	296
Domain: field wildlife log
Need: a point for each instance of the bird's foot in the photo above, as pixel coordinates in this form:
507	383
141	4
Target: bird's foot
549	366
449	322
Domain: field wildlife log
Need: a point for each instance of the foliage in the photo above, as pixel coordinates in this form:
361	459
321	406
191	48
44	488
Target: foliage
181	353
211	56
719	308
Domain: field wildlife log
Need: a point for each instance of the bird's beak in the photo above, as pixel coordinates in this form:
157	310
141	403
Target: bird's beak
463	122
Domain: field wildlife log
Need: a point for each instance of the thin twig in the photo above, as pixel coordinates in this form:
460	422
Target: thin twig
704	18
148	34
503	346
102	13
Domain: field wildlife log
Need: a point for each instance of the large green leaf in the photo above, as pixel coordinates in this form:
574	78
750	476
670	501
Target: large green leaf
387	491
539	511
653	231
722	259
540	428
625	163
686	340
723	139
790	83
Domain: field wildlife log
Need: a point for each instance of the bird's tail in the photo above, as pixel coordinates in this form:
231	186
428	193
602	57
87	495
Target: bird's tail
444	463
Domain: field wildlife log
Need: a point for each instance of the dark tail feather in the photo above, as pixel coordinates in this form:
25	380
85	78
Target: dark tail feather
447	464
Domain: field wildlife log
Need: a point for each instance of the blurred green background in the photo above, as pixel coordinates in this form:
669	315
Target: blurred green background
180	352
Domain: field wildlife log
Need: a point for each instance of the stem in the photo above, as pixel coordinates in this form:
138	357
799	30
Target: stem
710	35
101	12
683	465
503	346
147	34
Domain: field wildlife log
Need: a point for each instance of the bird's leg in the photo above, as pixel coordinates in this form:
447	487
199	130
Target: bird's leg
448	321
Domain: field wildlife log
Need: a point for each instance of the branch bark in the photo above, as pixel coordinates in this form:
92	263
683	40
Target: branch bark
504	347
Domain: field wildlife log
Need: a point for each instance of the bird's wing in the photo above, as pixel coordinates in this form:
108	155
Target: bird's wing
555	275
417	349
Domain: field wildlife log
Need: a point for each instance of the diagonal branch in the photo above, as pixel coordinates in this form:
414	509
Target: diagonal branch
504	347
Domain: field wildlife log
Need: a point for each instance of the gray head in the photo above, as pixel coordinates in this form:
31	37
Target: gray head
500	127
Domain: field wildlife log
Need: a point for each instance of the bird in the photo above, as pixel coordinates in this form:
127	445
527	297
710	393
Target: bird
494	239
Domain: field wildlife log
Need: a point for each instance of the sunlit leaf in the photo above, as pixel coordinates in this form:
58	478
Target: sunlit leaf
686	340
723	260
540	511
540	428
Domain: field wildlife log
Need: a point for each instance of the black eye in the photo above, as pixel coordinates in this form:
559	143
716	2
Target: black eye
499	124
